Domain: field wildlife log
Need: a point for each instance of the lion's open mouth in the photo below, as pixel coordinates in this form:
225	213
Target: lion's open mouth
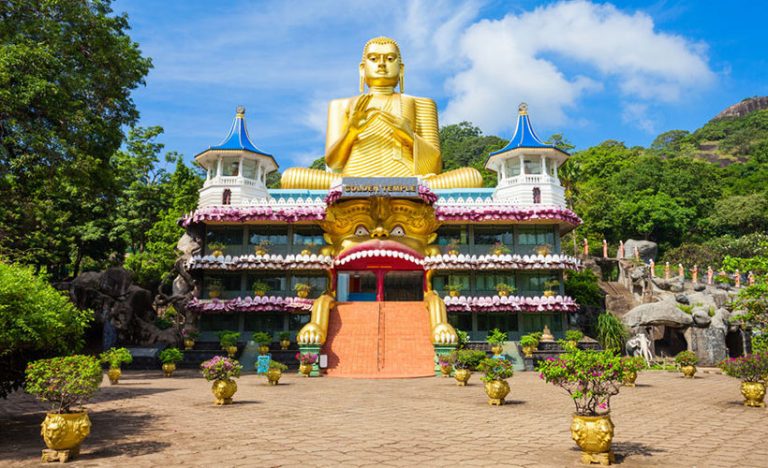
380	250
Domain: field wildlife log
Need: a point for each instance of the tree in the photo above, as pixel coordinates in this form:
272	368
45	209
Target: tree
35	321
464	145
66	73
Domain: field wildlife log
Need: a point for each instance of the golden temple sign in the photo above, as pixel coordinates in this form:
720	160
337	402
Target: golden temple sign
403	187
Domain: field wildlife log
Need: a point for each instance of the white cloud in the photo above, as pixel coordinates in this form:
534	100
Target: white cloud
527	57
637	114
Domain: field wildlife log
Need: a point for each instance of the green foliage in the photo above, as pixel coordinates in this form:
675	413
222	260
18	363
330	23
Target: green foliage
64	381
583	288
277	365
171	356
611	332
573	335
740	214
115	357
591	378
750	368
686	358
260	287
35	321
284	335
760	343
529	341
454	285
751	307
495	369
464	145
633	364
757	264
228	338
163	323
686	308
496	337
262	338
302	287
463	339
468	358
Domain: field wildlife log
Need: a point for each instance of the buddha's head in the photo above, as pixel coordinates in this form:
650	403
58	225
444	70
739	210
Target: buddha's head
382	64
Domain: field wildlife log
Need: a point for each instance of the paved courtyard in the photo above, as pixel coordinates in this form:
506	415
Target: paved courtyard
148	420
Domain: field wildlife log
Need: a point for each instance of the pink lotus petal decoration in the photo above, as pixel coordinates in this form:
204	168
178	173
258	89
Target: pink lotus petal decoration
510	304
507	261
250	304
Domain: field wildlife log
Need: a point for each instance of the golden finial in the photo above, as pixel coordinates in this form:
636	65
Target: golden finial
240	112
522	108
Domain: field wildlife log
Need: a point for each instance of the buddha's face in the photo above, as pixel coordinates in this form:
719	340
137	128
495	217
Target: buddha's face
381	65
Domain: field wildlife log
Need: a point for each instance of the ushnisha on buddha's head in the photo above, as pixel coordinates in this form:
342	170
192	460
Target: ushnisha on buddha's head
381	65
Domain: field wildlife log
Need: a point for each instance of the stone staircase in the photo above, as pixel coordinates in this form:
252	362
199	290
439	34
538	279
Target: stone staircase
379	340
618	299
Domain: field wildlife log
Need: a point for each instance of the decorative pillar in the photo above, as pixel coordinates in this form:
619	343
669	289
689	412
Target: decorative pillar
218	167
314	349
503	169
544	166
240	167
522	165
441	350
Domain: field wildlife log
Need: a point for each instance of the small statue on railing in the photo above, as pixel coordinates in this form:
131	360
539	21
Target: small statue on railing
751	279
652	266
637	254
586	247
710	274
737	278
681	271
695	274
621	250
666	271
605	248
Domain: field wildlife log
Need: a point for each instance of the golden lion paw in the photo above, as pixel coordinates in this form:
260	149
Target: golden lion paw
444	333
310	334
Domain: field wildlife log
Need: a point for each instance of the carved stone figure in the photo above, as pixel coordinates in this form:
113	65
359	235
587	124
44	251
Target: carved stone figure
640	345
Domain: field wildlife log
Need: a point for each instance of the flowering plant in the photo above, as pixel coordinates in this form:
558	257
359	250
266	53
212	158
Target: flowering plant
591	378
499	249
468	358
633	363
427	196
749	368
445	360
189	334
306	358
64	381
116	356
221	368
686	358
495	369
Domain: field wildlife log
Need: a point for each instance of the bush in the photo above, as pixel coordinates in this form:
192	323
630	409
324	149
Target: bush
496	337
64	381
171	356
686	358
463	339
36	321
495	369
573	335
468	358
116	356
220	368
611	332
278	365
228	338
583	288
306	358
262	338
591	378
529	340
750	368
285	336
633	363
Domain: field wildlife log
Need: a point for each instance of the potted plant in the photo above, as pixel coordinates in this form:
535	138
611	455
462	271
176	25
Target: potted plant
465	361
496	339
306	362
115	357
64	382
454	288
543	250
631	365
307	250
500	249
445	361
216	248
169	357
686	361
263	339
228	340
275	371
189	338
260	288
495	372
285	340
215	286
529	343
452	248
504	289
573	336
462	339
752	369
551	287
302	289
591	378
262	247
222	371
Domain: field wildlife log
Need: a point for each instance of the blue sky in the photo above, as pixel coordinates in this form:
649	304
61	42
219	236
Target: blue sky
626	70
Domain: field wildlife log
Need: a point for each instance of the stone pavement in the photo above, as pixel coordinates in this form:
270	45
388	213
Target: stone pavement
148	420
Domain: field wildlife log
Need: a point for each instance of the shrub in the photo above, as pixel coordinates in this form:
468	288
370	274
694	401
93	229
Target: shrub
302	287
611	332
582	286
496	337
468	358
228	338
633	363
463	339
64	381
171	356
591	378
529	340
262	338
504	287
686	308
115	357
189	334
573	335
163	323
446	359
686	358
36	321
495	369
260	286
278	365
221	368
306	358
285	336
749	368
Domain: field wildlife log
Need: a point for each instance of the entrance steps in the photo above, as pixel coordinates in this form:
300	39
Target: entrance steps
618	299
379	340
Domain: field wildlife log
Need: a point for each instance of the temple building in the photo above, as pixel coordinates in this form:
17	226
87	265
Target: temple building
378	271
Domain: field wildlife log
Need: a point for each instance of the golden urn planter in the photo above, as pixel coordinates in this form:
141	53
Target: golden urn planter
260	251
214	293
168	369
688	371
263	349
260	293
454	293
453	252
302	293
305	369
496	390
306	252
218	253
593	435
549	293
528	351
284	344
114	374
223	391
231	351
188	344
754	393
445	371
462	377
63	434
629	379
503	293
497	349
273	375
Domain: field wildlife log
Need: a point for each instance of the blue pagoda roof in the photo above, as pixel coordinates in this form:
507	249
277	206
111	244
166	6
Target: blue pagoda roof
525	136
237	139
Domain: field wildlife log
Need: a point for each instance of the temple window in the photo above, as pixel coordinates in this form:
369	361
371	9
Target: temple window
513	167
307	237
505	322
230	238
226	197
536	195
485	283
249	169
213	168
228	285
537	321
533	283
461	321
488	236
319	283
265	322
273	238
278	285
440	283
230	167
449	237
533	166
532	238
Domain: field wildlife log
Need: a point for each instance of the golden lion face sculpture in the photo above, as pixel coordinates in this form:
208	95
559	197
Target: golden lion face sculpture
377	223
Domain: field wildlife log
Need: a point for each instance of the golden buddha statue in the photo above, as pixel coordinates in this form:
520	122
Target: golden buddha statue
382	133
